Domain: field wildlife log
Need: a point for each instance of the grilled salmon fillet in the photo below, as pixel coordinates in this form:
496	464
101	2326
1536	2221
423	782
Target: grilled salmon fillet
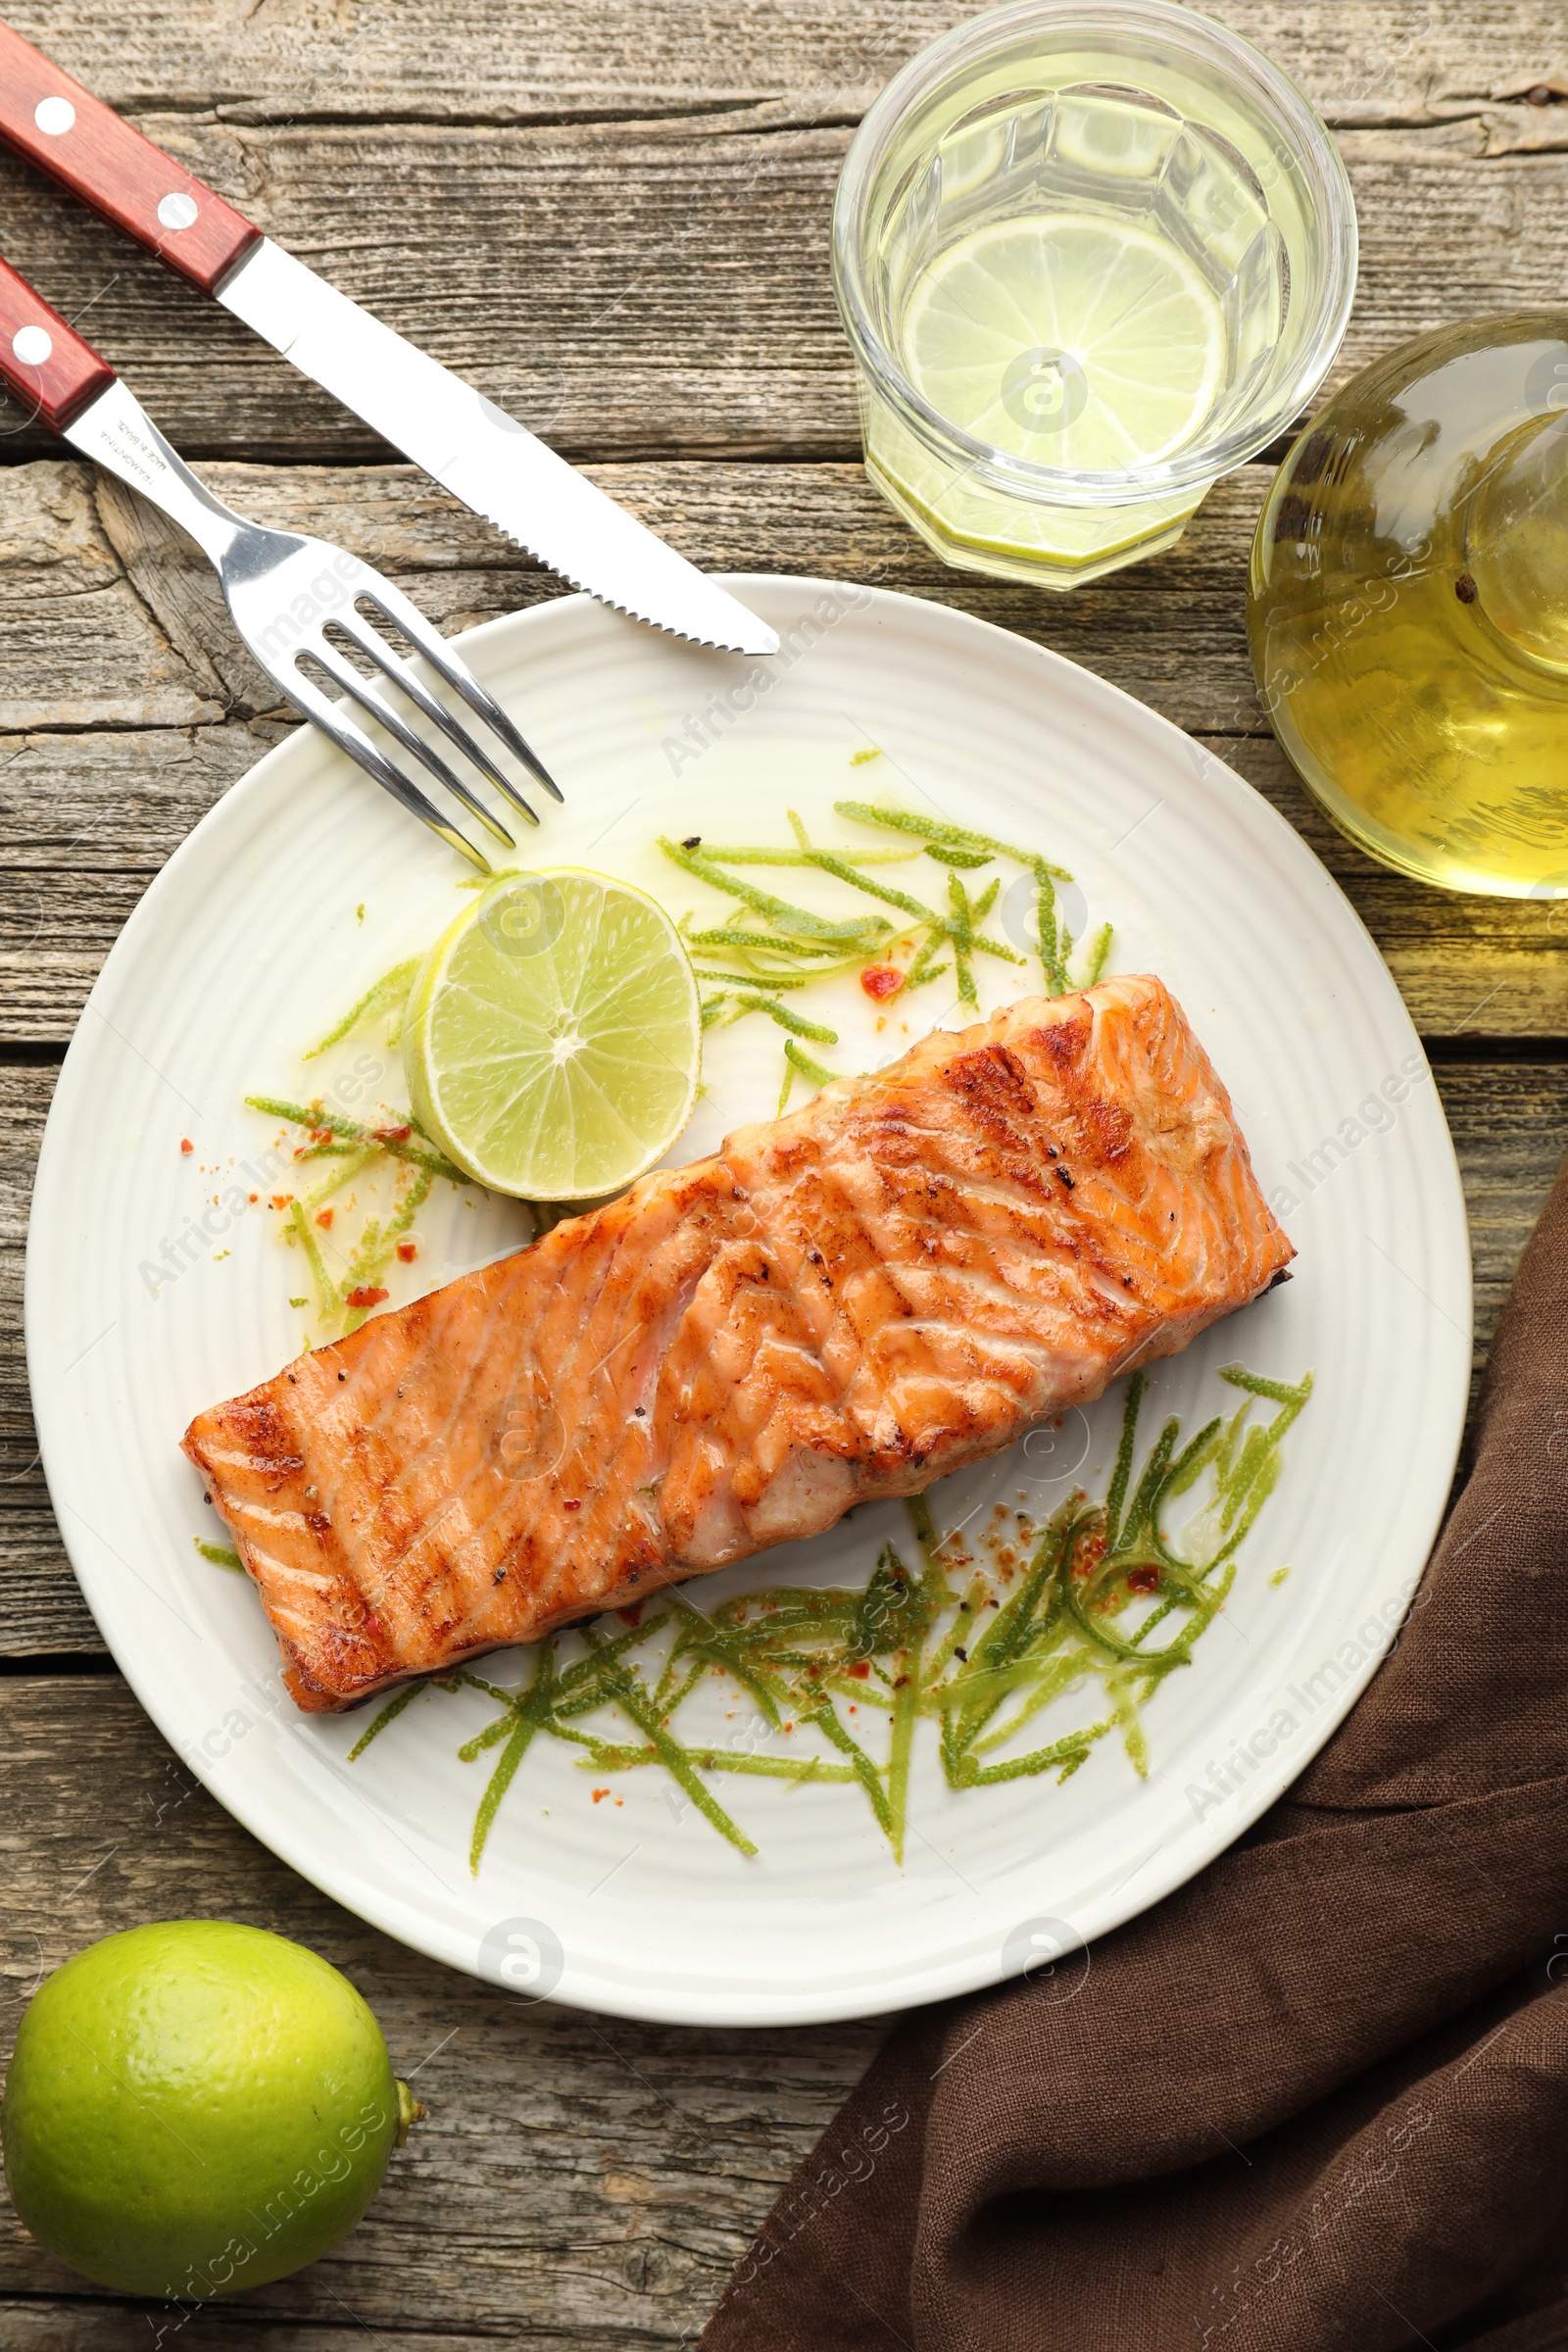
839	1306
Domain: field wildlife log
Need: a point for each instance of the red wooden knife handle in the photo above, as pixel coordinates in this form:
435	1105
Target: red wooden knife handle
79	141
51	370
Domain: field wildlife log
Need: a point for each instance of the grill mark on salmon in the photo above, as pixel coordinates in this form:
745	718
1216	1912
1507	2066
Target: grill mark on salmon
839	1306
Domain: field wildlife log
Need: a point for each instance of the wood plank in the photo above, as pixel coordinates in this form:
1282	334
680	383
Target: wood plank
659	285
614	2171
84	2321
1389	61
1509	1125
586	2180
614	218
41	1608
72	614
107	773
1510	1129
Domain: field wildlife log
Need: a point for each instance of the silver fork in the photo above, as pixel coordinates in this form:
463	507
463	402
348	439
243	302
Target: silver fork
283	590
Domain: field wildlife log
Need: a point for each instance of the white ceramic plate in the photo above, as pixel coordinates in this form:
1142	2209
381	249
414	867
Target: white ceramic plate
248	944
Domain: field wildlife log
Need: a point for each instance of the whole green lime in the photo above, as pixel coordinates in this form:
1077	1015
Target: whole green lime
196	2107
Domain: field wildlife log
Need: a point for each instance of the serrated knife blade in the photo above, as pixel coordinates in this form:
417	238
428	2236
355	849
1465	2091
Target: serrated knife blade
470	446
485	458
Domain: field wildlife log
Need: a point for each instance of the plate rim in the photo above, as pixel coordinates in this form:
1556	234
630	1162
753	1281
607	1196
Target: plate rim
1178	1859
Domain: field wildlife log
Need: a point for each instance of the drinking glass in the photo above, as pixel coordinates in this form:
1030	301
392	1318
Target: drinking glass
1090	257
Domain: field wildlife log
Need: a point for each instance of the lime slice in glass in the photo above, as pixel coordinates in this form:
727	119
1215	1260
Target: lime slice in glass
554	1036
1071	339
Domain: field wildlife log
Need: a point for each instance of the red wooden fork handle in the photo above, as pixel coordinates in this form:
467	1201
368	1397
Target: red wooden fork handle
51	370
82	143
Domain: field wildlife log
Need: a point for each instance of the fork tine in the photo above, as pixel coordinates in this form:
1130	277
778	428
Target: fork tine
407	617
376	650
381	710
322	712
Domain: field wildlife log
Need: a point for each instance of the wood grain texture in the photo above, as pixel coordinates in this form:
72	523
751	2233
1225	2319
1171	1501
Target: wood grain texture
99	157
59	385
1416	62
616	221
127	704
584	2181
615	217
581	2182
41	1608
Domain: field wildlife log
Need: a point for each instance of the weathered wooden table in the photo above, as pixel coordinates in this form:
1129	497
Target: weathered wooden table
614	217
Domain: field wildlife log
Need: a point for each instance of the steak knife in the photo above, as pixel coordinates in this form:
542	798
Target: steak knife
464	441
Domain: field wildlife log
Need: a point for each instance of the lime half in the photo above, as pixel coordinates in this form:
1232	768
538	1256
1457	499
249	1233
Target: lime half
554	1036
1071	339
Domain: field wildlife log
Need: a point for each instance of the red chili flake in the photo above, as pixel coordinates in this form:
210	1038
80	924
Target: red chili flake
391	1135
860	1671
631	1616
408	1252
571	1506
1143	1580
600	1794
1089	1557
324	1217
881	980
255	1197
321	1135
281	1200
187	1146
367	1293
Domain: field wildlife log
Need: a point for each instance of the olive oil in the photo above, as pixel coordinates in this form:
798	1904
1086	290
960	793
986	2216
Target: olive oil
1408	606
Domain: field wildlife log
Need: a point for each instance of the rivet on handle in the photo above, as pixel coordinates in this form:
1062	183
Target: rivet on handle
68	134
43	358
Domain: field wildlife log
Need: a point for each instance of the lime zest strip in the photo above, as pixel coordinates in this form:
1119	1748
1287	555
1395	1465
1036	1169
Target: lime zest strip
957	837
219	1555
969	848
786	1019
817	1071
312	1116
731	934
724	854
383	996
799	1654
389	1714
328	1301
863	930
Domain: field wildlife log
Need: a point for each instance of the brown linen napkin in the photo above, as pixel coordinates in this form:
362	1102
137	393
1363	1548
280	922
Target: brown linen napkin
1309	2104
